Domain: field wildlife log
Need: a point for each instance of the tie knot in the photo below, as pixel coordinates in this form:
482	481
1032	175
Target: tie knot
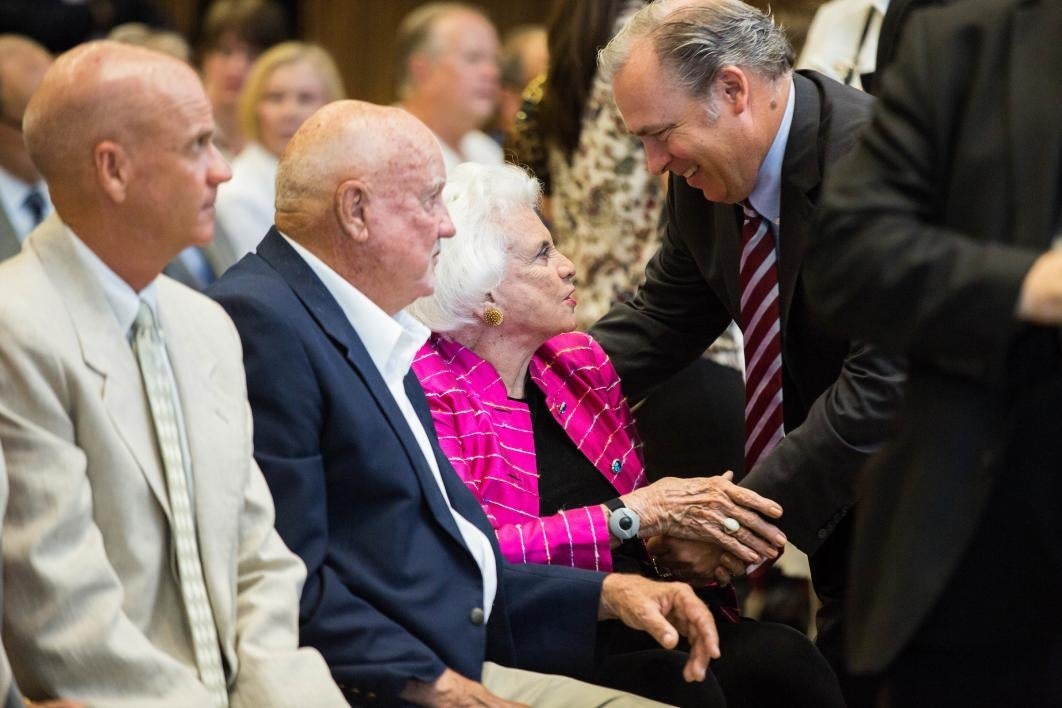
750	212
145	318
34	202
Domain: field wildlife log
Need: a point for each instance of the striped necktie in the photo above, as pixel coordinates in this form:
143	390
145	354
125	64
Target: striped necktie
150	354
34	204
761	328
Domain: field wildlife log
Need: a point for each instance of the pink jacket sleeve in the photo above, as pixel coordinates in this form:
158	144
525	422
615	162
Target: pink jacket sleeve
574	537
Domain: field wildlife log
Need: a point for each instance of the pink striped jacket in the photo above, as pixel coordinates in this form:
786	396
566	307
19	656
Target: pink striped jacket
488	439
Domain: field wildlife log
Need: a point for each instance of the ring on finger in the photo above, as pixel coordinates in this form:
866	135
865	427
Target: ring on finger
731	525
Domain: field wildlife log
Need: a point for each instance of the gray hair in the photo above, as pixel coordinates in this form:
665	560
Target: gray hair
416	35
694	39
472	263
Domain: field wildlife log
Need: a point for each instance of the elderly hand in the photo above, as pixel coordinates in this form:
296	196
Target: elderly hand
452	690
664	610
696	562
697	508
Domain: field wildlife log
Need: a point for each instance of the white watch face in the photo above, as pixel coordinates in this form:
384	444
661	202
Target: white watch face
623	524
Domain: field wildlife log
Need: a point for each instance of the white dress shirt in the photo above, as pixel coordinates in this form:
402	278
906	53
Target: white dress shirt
833	45
476	146
245	206
392	342
13	193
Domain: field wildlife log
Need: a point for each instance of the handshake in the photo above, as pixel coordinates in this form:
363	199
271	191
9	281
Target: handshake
707	528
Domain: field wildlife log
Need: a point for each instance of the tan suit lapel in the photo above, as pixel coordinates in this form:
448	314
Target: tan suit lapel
105	350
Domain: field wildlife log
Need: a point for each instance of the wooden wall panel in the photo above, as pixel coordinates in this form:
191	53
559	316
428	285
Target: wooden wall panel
360	34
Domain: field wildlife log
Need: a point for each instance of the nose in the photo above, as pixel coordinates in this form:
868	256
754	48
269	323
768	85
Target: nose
218	170
656	157
566	269
446	226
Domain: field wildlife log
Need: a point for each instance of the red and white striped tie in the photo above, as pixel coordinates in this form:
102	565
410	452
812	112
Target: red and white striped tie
761	328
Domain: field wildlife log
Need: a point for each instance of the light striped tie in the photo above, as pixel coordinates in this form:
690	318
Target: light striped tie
761	328
147	343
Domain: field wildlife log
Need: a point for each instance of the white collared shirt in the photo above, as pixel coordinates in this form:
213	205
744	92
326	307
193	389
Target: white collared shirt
125	304
392	342
476	146
766	196
833	44
13	193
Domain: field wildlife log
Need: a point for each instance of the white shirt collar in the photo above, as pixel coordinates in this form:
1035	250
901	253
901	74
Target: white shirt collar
766	196
13	193
391	342
124	301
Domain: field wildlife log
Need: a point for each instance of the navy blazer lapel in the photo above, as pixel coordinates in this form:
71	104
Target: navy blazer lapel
1034	108
461	498
324	309
801	176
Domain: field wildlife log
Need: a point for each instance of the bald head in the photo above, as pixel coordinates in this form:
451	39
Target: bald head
99	91
122	134
360	186
345	140
22	66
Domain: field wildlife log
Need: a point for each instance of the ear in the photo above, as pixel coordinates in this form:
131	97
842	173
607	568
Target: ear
114	169
733	89
419	67
351	201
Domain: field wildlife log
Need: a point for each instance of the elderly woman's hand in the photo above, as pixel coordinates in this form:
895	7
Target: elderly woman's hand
695	562
699	509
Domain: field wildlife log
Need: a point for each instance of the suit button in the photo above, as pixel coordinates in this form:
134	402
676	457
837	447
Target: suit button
562	408
476	616
616	466
823	533
371	696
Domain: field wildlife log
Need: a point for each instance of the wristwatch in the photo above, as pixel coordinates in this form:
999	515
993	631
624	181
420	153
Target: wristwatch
623	523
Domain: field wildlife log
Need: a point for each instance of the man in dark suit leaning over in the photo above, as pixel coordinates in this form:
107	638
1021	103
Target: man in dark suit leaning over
406	594
936	240
708	86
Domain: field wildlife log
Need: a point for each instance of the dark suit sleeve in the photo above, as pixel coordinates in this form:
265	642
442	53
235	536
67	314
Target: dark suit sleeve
669	322
362	646
880	266
811	472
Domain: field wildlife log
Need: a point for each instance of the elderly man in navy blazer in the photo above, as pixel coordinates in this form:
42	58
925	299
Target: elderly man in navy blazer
407	595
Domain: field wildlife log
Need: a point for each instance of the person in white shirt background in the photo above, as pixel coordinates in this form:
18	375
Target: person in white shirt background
450	79
286	85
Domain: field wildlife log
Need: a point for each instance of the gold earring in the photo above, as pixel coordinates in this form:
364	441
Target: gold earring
492	316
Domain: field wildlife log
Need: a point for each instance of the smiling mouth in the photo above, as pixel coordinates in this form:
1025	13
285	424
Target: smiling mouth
690	172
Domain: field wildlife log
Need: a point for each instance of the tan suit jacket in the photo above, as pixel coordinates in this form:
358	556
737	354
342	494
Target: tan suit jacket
93	609
9	697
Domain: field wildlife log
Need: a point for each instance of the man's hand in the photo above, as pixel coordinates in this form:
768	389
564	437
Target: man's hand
695	562
1041	292
664	610
452	690
696	508
57	703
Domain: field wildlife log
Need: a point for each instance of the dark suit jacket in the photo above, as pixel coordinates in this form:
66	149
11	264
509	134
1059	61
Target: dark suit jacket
930	228
838	395
392	593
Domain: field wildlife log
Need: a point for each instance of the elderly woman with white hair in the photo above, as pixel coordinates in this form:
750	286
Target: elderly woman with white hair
532	418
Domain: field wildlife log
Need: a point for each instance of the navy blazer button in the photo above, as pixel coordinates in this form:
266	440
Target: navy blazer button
823	533
476	616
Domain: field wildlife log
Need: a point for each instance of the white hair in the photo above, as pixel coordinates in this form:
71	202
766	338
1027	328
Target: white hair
480	199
